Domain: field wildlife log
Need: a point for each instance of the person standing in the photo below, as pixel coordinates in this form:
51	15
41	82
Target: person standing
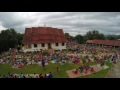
43	64
41	76
50	75
58	69
45	76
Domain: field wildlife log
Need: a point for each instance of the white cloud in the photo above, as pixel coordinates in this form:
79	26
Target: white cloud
2	28
70	22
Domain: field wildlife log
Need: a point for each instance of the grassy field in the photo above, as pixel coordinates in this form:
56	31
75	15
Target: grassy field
30	69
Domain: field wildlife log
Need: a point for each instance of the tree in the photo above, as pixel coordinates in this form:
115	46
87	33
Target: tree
94	35
79	39
20	38
102	36
67	34
9	38
111	37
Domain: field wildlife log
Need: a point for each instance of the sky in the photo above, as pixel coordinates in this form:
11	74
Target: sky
73	23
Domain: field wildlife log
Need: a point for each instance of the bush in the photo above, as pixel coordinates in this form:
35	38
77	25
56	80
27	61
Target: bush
67	51
44	52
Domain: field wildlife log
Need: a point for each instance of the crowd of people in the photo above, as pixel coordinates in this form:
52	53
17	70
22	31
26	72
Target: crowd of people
20	59
22	75
84	53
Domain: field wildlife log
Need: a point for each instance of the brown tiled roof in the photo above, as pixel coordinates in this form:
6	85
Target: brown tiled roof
37	35
105	42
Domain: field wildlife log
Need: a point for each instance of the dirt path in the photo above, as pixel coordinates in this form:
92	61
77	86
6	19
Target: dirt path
114	71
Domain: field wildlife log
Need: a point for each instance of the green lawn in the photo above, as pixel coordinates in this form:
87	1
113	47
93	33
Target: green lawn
30	69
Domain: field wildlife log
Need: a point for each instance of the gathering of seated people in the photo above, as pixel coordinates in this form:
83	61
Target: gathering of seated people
22	75
84	69
84	54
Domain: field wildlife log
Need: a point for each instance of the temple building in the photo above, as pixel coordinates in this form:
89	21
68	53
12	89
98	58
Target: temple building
37	38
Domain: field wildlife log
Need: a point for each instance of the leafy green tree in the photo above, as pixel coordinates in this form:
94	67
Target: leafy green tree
91	35
79	39
113	37
9	38
67	34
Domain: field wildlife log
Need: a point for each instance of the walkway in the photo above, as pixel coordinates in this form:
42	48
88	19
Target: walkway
114	71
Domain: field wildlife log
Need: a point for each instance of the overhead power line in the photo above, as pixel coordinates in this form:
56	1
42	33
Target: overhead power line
29	18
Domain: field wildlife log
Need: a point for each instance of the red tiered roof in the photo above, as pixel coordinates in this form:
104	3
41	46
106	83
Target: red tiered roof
37	35
105	42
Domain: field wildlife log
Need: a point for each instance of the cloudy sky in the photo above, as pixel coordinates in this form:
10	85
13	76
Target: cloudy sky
71	22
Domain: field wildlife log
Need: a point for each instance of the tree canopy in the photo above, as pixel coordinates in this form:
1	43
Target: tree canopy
91	35
79	39
67	34
9	38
